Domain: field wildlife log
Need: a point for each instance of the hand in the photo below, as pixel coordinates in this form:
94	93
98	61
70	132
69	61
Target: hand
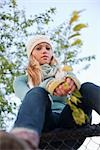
65	88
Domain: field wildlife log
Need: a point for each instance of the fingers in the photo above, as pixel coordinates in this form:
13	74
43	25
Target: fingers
62	90
72	89
71	84
65	88
68	80
59	91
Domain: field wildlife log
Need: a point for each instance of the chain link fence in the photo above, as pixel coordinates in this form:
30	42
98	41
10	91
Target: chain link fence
92	143
58	140
83	137
88	138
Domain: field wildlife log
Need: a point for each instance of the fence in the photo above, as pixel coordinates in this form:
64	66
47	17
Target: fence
60	139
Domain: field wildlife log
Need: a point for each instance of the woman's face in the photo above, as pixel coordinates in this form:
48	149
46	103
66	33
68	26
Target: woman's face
43	53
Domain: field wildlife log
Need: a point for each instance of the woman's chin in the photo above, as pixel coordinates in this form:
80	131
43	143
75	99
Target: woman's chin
45	62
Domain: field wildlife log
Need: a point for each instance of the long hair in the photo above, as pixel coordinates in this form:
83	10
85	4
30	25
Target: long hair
34	70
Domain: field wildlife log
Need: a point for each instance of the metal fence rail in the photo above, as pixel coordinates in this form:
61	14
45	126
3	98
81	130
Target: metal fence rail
59	139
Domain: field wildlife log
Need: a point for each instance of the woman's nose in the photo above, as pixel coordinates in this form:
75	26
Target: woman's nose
44	50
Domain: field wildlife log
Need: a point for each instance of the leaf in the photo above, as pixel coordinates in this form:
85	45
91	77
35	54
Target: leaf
65	86
74	17
79	27
74	99
79	116
76	42
77	94
67	68
73	35
64	46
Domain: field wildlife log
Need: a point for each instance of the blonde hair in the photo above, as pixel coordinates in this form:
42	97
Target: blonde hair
34	70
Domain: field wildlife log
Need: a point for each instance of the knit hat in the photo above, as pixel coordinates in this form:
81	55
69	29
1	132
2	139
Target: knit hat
35	41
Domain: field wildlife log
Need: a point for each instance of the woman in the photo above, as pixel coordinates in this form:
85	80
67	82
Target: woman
44	89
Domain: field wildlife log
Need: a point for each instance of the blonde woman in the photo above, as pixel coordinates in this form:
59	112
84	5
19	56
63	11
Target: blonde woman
44	89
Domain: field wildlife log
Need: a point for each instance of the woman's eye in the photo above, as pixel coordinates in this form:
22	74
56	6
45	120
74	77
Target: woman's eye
38	48
48	48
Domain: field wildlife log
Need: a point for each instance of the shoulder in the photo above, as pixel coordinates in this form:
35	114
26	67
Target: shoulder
20	86
19	80
21	77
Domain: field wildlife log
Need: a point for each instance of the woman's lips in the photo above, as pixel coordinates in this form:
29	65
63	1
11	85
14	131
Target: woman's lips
44	57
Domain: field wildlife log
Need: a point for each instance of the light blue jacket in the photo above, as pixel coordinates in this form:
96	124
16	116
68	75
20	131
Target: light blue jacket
21	86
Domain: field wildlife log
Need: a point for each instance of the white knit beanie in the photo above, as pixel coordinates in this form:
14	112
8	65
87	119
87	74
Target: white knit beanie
35	41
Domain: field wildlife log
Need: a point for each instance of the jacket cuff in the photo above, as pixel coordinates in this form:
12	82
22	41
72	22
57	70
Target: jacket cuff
53	84
77	82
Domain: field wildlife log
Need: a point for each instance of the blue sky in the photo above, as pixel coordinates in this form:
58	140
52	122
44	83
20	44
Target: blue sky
90	35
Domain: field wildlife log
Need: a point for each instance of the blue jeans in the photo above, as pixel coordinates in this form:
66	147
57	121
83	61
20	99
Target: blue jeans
35	112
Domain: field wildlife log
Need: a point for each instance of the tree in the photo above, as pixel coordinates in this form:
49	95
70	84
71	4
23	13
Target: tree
15	28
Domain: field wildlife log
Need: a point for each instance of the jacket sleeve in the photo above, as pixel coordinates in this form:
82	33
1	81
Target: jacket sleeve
51	83
68	72
74	78
20	86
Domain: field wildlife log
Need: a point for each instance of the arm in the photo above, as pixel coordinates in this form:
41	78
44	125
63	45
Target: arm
20	86
67	72
52	83
74	78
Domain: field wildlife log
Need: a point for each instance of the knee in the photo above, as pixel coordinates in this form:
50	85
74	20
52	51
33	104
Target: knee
86	87
39	95
38	90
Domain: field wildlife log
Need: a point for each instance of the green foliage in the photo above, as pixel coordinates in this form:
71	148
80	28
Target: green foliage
15	28
67	39
79	27
78	114
77	42
74	18
73	100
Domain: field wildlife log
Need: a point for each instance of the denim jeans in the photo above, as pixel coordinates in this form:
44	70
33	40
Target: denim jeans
35	112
